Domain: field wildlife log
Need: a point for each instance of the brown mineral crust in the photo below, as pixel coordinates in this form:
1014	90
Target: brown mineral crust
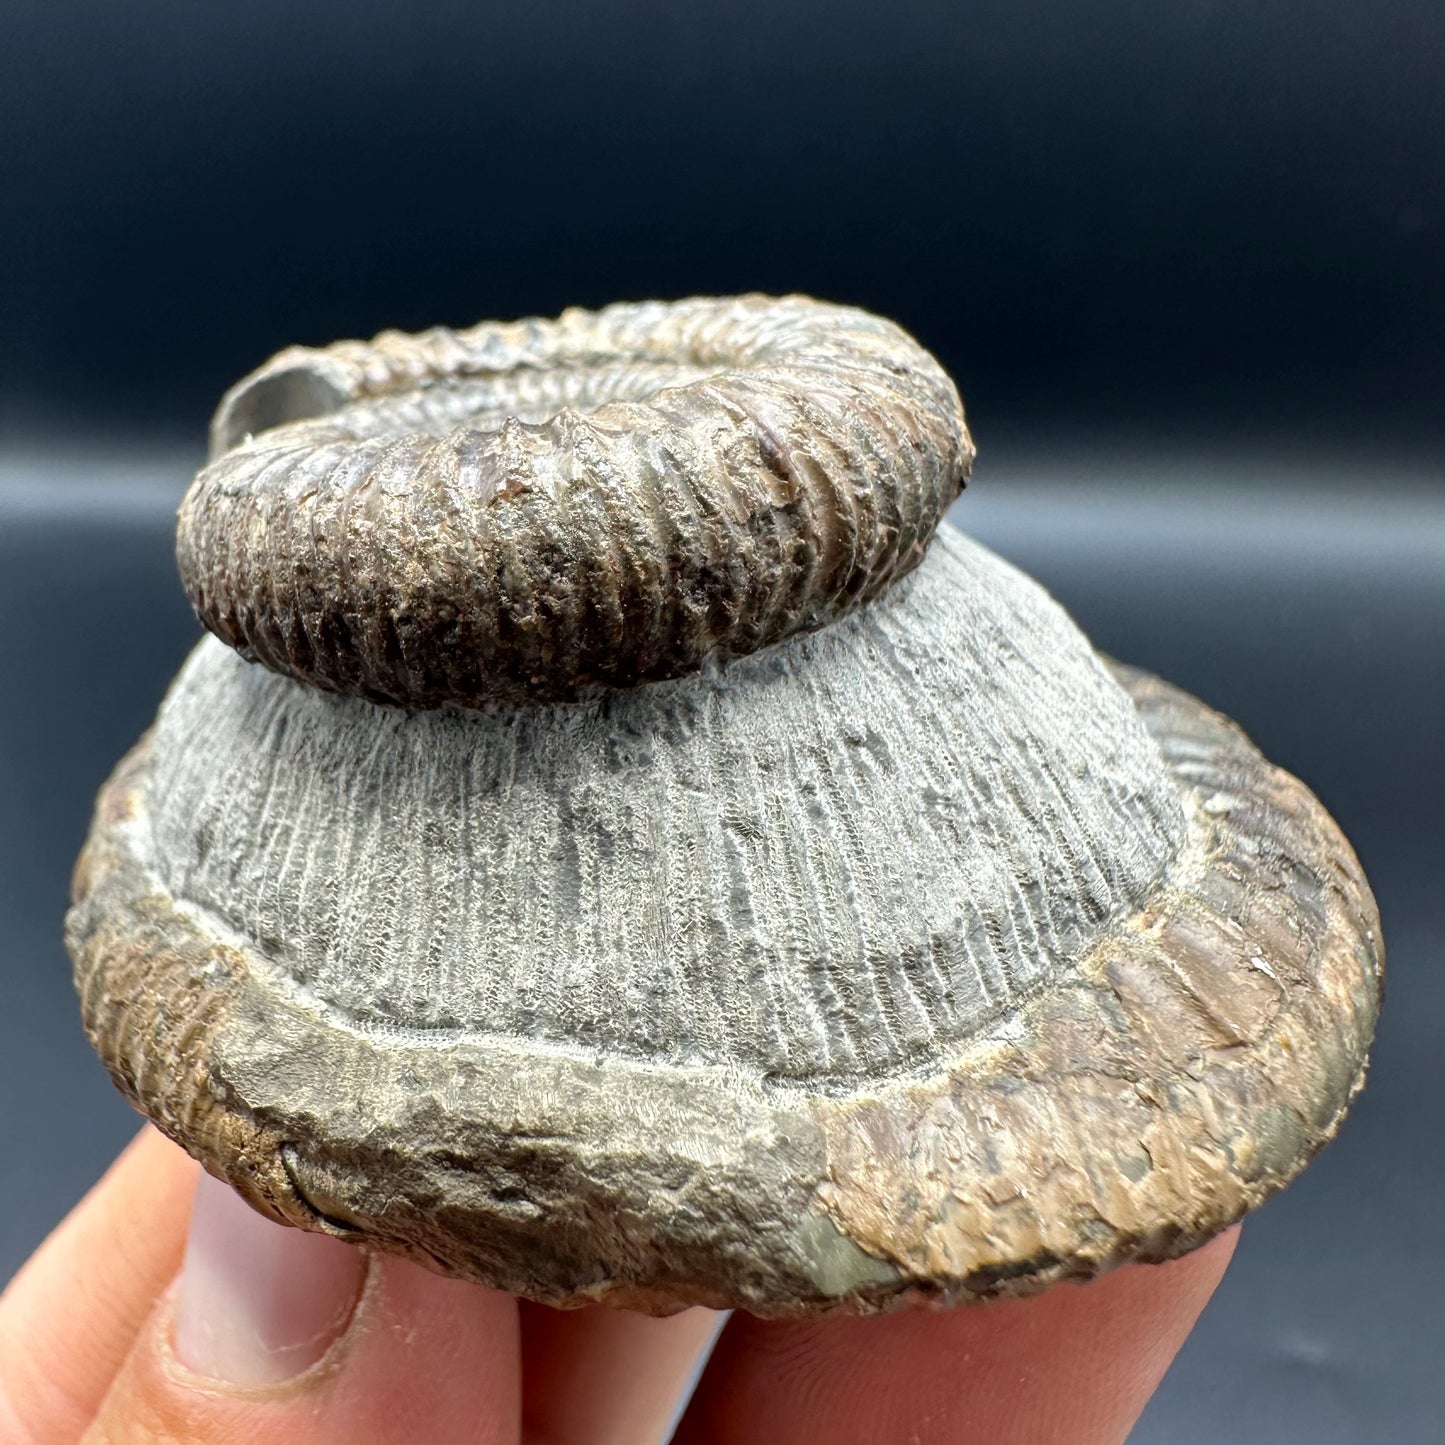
1208	1047
1212	1046
532	508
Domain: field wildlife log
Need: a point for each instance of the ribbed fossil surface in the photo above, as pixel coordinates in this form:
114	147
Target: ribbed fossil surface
527	508
832	858
691	932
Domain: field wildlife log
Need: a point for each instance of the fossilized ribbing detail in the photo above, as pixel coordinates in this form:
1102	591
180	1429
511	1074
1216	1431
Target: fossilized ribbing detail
831	858
527	507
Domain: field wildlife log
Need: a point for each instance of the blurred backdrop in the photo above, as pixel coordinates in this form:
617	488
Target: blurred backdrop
1184	256
1215	215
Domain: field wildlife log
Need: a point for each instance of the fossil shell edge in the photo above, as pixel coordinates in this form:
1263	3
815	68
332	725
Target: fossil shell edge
526	509
1209	1046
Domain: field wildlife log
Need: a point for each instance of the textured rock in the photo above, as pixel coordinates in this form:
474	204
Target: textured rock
1186	1068
825	860
922	955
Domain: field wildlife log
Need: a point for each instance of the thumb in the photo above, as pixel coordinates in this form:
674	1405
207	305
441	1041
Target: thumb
273	1336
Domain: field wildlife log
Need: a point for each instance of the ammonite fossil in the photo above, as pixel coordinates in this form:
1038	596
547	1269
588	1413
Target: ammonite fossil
645	870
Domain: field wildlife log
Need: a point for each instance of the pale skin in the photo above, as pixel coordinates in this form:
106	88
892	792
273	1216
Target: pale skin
102	1332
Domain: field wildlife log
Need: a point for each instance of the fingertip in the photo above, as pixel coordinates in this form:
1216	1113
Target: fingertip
603	1376
1074	1365
71	1314
256	1304
318	1347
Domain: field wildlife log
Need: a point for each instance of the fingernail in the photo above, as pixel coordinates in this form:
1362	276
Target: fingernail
709	1327
257	1302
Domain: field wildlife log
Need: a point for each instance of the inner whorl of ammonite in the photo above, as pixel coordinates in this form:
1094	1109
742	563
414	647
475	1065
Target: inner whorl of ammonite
829	860
529	508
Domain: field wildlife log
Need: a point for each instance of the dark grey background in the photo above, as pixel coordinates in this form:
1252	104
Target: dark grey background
1185	259
1217	215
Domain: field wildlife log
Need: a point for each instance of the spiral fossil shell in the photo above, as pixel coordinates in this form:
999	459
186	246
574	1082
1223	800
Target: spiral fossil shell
886	944
527	508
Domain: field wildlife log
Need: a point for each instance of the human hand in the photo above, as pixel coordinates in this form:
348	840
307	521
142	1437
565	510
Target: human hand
118	1331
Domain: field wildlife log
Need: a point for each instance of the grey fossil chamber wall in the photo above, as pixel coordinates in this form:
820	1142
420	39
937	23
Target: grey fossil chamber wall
685	845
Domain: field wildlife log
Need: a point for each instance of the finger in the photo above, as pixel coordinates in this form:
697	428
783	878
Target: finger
275	1336
1072	1366
609	1377
70	1316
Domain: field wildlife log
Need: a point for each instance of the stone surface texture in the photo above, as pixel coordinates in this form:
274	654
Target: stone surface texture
921	956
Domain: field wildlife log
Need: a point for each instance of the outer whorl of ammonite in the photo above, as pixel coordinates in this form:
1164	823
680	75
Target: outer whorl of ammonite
528	508
922	955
